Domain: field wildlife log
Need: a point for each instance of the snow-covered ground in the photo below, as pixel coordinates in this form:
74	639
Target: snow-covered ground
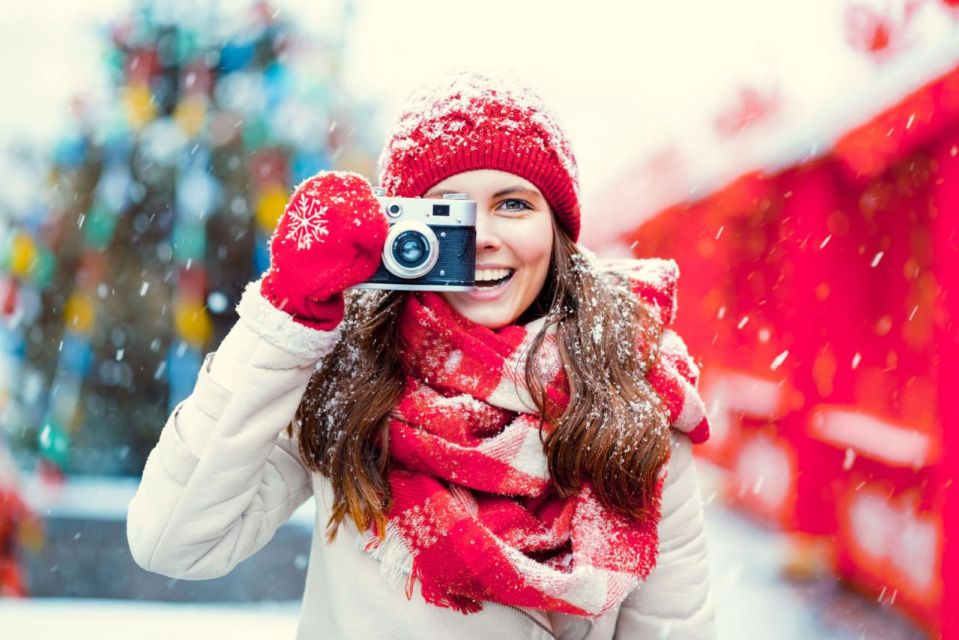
753	599
60	619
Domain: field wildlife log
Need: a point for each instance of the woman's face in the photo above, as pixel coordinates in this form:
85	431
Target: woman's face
514	242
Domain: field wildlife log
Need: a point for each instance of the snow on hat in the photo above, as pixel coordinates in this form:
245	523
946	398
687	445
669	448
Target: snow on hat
480	119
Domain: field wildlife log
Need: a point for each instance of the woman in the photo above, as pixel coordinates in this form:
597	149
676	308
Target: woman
504	453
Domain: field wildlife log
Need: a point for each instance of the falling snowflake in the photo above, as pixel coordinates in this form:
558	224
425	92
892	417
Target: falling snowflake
306	223
779	360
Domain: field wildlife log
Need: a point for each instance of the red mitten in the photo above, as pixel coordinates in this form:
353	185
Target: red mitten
330	237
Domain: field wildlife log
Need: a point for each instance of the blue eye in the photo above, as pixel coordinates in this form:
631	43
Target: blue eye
525	205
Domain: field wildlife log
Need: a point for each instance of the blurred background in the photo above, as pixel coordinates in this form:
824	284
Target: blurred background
798	160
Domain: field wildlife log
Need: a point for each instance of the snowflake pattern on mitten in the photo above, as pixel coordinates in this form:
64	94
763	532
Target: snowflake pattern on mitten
307	223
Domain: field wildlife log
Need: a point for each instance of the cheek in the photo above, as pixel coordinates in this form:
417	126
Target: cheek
534	247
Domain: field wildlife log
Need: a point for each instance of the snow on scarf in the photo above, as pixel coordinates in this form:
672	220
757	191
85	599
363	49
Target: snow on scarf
474	517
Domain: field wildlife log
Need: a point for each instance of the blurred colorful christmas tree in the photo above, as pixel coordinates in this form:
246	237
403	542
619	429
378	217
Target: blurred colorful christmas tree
159	208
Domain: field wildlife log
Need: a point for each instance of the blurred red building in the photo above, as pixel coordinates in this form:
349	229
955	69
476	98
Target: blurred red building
822	299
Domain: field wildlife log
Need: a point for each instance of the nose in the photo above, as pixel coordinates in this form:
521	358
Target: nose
486	237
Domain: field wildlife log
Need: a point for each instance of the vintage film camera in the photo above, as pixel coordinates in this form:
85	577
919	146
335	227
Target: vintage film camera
431	244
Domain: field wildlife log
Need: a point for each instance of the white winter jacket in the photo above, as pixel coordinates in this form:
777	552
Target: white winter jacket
225	475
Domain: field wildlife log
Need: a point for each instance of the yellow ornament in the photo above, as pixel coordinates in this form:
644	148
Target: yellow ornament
23	253
139	104
269	208
190	115
78	313
193	323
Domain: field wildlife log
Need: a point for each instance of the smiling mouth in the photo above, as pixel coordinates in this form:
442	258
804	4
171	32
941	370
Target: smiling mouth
487	279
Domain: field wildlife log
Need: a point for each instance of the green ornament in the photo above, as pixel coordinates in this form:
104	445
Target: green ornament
114	59
189	242
54	443
98	227
43	267
6	247
186	45
256	134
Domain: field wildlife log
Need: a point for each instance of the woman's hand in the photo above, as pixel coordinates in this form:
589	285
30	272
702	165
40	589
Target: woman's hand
329	238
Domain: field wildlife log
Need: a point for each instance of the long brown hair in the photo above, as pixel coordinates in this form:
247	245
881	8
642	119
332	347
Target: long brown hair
613	433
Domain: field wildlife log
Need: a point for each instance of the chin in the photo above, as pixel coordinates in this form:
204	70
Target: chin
489	318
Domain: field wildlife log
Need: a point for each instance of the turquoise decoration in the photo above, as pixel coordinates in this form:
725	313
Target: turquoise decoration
189	242
43	268
6	248
256	134
114	60
186	45
98	227
54	443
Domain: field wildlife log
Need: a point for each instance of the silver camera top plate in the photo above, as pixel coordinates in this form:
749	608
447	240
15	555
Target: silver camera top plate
453	210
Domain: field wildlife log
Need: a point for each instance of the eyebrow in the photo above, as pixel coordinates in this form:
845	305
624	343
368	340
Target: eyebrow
502	192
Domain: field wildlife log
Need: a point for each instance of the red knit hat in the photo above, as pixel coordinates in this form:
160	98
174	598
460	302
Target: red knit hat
471	119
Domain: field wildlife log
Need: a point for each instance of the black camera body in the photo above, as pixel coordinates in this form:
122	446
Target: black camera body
431	244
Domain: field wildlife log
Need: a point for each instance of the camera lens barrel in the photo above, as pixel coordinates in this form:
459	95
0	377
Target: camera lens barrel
411	250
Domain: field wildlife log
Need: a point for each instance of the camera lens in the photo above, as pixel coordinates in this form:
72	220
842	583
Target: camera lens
410	249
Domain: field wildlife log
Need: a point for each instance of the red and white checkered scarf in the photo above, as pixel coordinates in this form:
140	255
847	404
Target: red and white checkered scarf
474	515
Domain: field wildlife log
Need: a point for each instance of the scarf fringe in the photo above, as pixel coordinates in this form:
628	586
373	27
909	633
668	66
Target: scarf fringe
395	558
436	596
400	569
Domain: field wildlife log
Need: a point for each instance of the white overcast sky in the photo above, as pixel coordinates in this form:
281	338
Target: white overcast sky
627	79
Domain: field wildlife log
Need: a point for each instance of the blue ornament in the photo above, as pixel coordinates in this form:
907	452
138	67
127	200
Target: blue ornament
182	364
75	355
308	163
12	342
261	254
70	152
235	55
276	85
116	150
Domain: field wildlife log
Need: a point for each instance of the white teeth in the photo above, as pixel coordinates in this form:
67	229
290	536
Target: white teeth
492	274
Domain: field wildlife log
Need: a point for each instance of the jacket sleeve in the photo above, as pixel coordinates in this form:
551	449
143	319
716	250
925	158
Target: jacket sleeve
675	601
224	474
